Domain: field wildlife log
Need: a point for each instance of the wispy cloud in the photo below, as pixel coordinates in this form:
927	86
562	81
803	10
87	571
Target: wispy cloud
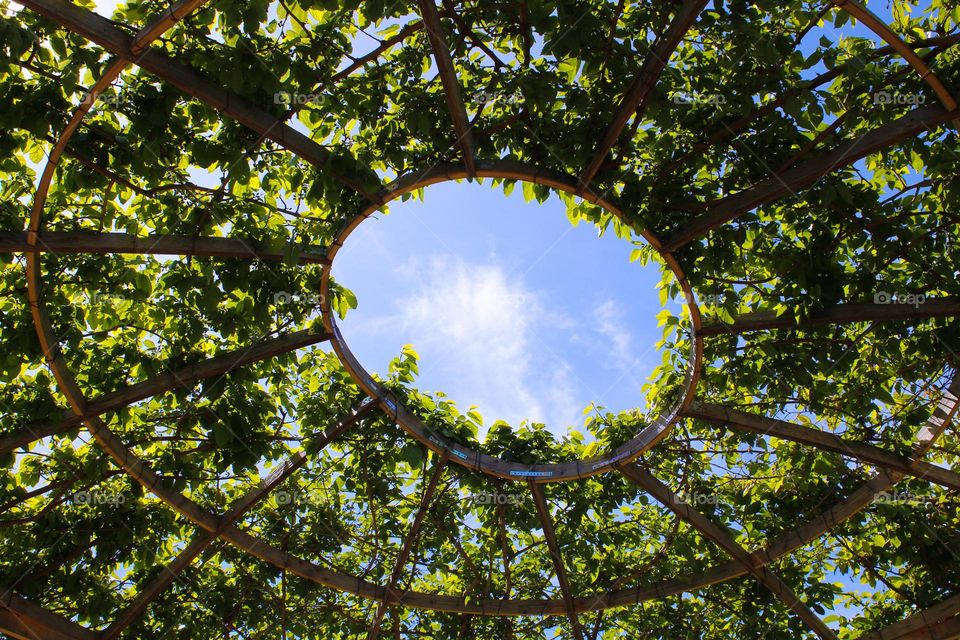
617	341
612	326
477	329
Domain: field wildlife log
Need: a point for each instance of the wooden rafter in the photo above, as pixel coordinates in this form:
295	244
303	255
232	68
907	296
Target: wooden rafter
806	173
180	378
837	314
823	440
451	85
172	245
938	622
643	84
543	513
24	620
663	494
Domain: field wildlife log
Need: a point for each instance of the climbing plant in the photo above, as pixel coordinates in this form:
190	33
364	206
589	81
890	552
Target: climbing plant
183	454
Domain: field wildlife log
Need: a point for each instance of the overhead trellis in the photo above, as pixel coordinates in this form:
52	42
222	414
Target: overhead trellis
183	458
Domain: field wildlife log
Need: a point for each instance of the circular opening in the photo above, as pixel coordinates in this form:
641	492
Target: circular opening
510	308
521	317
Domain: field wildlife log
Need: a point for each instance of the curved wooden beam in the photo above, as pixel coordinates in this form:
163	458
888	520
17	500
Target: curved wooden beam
731	207
181	378
18	616
823	440
101	31
643	84
783	544
665	496
837	314
171	245
642	441
451	86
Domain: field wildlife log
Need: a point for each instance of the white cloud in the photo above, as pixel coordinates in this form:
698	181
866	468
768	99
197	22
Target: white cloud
617	341
486	338
476	328
612	326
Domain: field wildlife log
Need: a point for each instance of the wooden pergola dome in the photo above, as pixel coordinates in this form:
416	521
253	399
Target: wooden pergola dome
202	464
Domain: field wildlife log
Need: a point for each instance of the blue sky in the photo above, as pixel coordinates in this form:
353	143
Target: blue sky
510	307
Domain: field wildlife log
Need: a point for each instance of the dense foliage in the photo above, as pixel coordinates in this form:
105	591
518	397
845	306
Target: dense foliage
754	89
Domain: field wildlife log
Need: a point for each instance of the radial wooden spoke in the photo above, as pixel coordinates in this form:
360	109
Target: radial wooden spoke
838	314
23	620
543	513
946	630
203	539
823	440
643	83
101	31
714	532
451	85
173	245
914	123
181	378
935	623
392	596
200	542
